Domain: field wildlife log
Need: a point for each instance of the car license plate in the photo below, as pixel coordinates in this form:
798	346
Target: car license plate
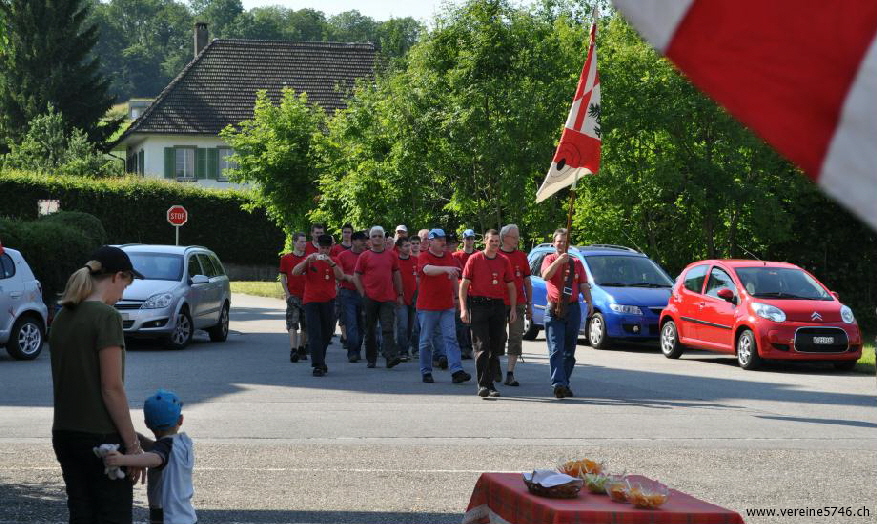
823	340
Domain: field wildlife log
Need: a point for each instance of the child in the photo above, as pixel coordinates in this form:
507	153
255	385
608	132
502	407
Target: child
169	459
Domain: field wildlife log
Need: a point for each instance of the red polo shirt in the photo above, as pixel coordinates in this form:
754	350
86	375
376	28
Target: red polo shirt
375	271
462	257
295	284
557	282
488	277
311	248
521	269
408	269
347	260
319	282
337	249
436	292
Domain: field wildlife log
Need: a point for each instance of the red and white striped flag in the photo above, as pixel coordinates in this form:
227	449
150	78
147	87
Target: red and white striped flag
801	73
578	153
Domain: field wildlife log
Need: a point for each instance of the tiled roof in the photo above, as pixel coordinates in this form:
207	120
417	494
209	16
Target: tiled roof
219	86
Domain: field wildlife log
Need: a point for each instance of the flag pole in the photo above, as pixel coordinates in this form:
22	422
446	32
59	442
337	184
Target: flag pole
566	292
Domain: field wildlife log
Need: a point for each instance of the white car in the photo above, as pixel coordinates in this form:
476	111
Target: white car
184	288
23	313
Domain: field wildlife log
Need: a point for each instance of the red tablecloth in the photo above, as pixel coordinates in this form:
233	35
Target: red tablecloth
503	498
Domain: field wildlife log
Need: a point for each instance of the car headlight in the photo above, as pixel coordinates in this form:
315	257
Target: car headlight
847	314
158	301
630	310
769	312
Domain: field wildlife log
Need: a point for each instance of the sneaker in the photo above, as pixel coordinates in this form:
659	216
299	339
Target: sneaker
293	356
443	362
559	391
510	379
318	372
428	378
303	353
567	392
371	365
483	392
393	362
493	393
353	359
404	357
458	377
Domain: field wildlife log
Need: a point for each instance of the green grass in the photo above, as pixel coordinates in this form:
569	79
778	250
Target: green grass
866	363
273	290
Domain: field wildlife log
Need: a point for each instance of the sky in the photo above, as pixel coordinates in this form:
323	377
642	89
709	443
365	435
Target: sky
375	9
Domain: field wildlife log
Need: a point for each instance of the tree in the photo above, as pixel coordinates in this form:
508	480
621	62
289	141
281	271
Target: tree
220	15
46	59
275	150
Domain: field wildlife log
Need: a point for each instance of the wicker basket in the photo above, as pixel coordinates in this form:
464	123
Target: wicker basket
562	491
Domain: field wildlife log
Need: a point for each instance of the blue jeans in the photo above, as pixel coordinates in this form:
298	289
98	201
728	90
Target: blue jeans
441	323
405	320
351	312
320	322
438	349
562	335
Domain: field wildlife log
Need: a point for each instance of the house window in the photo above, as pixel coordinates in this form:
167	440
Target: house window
185	162
224	163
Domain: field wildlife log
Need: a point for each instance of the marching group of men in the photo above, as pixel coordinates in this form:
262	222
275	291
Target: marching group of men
421	293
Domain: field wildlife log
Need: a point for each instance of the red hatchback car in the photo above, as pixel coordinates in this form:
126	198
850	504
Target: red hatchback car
758	310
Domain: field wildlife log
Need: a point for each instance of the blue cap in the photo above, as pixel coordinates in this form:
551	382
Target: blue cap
469	233
162	410
436	233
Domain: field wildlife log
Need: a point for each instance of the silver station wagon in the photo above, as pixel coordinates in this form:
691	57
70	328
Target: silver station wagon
184	289
22	310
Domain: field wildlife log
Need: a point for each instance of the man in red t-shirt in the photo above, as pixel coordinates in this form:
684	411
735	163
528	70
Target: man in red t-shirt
406	312
464	334
487	282
316	231
337	249
378	280
293	290
560	271
351	301
320	272
509	236
438	272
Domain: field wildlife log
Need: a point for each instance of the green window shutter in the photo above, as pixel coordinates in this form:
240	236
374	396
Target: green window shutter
213	163
170	162
200	163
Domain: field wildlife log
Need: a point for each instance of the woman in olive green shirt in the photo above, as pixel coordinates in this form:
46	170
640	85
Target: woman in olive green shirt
88	361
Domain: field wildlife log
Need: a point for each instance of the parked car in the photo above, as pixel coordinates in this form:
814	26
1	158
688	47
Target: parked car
759	310
629	291
184	288
23	314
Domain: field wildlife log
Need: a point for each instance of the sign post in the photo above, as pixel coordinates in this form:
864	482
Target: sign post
177	216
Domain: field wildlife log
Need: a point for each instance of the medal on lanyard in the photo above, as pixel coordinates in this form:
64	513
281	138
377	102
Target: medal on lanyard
495	282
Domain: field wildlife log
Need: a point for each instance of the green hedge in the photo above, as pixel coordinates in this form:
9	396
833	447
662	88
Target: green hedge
133	210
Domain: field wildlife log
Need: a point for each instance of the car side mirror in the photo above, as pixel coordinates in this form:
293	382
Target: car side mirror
726	295
835	295
200	279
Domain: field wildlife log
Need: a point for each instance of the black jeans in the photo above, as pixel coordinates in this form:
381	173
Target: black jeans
91	496
386	312
488	320
319	319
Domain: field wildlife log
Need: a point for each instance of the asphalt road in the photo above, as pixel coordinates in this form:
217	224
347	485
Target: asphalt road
275	444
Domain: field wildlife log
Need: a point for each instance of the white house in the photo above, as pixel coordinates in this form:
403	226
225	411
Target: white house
177	136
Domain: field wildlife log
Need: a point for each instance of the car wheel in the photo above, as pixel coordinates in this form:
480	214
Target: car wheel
531	329
26	339
747	351
219	332
670	346
597	338
845	365
183	331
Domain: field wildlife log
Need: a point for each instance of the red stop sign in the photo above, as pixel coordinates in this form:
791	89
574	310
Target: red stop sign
177	215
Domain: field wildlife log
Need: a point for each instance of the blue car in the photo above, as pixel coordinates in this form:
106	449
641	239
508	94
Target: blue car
628	288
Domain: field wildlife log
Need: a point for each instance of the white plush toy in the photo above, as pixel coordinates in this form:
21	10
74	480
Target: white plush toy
113	472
